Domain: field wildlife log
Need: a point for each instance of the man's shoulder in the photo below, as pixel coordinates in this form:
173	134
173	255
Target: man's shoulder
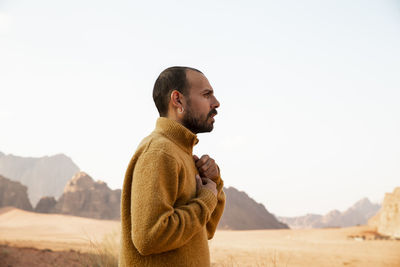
157	143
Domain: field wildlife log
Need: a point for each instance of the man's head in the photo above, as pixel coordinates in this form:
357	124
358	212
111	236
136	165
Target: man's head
185	95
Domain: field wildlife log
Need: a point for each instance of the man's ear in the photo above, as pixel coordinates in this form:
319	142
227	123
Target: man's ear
176	99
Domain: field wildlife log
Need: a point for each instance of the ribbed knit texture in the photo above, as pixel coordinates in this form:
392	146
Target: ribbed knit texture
165	222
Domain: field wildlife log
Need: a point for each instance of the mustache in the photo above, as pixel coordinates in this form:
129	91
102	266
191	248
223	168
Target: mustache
212	112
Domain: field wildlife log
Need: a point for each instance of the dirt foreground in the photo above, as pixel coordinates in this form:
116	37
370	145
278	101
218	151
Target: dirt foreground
32	239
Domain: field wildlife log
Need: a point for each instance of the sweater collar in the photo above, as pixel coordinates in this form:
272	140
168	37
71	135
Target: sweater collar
177	133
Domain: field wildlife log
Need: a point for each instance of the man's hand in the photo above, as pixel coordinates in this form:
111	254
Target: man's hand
206	167
204	182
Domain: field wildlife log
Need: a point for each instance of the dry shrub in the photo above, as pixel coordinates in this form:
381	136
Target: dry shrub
256	259
104	253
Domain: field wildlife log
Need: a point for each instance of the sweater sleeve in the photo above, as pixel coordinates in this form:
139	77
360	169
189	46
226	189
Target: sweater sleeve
219	209
157	225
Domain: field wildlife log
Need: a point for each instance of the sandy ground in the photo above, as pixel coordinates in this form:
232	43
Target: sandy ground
59	240
316	247
52	231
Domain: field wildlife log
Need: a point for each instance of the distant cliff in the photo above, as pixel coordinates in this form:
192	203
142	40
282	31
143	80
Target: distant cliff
84	197
44	176
358	214
13	194
387	221
243	213
52	190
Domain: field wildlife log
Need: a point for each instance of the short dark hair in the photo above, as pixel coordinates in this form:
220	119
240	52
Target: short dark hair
173	78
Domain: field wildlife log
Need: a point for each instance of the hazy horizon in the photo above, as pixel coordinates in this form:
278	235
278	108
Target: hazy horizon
309	91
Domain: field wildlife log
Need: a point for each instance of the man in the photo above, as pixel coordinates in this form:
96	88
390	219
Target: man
172	200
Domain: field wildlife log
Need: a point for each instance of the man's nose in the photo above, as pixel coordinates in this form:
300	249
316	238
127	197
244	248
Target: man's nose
215	103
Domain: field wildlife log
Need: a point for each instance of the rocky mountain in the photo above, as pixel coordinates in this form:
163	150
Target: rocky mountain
13	194
358	214
86	198
306	221
387	220
48	179
44	176
46	205
243	213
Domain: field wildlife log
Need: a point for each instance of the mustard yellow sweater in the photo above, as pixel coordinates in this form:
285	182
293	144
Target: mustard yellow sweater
164	221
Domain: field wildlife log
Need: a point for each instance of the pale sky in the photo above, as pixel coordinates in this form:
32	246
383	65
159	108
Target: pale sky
309	90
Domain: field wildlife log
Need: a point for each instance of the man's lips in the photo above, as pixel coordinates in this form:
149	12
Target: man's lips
212	113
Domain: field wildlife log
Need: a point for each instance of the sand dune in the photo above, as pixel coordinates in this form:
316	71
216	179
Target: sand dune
52	231
354	246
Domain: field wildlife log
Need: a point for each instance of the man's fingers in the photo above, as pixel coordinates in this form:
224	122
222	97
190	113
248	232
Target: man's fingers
202	160
209	173
209	169
196	158
206	166
205	163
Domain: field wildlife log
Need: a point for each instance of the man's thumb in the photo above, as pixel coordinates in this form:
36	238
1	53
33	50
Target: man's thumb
199	183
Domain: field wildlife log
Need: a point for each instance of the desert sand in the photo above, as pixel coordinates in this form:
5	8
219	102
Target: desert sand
52	231
315	247
28	234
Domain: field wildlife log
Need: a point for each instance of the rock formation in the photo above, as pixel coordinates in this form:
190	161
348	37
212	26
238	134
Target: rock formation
358	214
307	221
45	176
46	205
243	213
13	194
84	197
387	221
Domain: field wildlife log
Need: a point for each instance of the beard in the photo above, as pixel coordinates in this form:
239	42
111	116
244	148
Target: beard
198	123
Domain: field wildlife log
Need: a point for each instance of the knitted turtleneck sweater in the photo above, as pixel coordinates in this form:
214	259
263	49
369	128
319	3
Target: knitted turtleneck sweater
165	222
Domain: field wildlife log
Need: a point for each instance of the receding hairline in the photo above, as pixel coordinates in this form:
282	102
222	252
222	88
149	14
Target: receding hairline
192	69
188	83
